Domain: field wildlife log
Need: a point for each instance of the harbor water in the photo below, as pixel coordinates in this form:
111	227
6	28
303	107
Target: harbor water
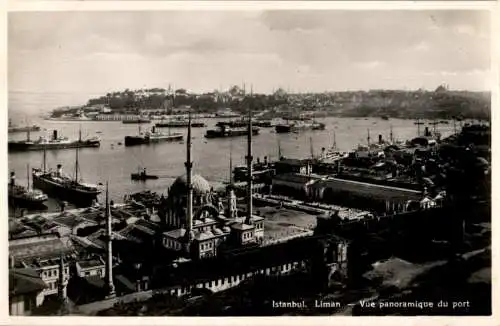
114	163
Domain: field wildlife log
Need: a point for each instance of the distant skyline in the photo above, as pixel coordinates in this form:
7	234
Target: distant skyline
304	51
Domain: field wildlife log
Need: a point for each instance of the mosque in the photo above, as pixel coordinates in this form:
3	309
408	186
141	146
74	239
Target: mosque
196	220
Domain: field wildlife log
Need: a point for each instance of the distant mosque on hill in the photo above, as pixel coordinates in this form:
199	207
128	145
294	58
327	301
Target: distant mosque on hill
197	221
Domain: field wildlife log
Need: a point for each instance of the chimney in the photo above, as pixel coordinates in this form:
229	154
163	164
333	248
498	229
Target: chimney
54	134
59	170
380	139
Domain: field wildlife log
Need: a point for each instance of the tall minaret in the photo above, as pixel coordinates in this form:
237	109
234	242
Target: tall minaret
62	282
189	210
109	257
231	197
249	159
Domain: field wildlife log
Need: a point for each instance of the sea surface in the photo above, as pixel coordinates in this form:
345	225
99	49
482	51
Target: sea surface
114	163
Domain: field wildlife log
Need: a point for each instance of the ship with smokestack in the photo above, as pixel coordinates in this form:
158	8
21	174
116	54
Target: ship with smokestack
15	129
63	187
152	137
299	125
25	197
55	143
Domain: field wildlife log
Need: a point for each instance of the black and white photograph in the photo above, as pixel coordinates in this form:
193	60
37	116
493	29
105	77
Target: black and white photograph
249	162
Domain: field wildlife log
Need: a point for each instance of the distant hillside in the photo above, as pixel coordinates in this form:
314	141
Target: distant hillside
439	104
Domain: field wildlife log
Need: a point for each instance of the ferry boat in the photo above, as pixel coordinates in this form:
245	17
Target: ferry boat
51	144
179	123
296	126
243	123
25	197
151	137
143	176
224	131
63	187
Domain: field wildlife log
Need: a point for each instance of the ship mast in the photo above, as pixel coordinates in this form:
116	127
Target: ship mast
249	159
311	147
44	158
391	135
28	174
418	123
76	166
368	138
334	141
279	150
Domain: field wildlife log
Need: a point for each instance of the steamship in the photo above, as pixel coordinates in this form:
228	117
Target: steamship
24	196
296	126
14	129
50	144
179	123
225	131
151	137
63	187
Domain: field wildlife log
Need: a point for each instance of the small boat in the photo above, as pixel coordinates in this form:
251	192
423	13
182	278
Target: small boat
143	176
384	117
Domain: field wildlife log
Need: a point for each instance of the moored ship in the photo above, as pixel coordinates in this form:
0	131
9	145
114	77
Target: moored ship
56	184
243	123
13	128
51	144
25	197
179	123
224	131
296	126
151	137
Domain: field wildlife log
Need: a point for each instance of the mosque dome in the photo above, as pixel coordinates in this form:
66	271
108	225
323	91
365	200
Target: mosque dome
200	185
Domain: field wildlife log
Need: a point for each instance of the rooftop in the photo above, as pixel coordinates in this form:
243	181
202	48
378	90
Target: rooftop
24	281
90	263
45	245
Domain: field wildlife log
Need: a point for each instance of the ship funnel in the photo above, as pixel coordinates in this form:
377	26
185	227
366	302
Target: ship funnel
59	170
54	135
153	129
380	139
427	133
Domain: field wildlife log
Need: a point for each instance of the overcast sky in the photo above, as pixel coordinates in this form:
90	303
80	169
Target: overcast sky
96	52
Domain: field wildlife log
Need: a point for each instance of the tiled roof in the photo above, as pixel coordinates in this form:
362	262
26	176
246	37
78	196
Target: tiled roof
38	246
24	280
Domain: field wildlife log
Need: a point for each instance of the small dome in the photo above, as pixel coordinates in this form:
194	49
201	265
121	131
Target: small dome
200	185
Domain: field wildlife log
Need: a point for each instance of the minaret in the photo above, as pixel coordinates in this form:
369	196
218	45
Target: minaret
249	159
61	286
109	256
231	197
189	209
